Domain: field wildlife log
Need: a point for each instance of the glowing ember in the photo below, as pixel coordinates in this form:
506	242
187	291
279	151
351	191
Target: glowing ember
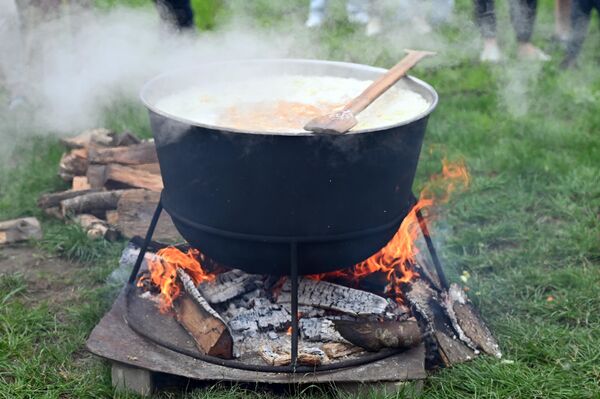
398	256
163	273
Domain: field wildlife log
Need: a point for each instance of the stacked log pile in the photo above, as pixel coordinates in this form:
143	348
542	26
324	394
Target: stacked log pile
115	186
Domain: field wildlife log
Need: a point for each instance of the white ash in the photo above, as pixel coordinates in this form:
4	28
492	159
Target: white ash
319	329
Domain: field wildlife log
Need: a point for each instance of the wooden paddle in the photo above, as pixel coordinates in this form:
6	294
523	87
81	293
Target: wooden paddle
342	121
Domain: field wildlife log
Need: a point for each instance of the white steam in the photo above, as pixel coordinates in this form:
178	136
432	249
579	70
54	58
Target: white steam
80	63
71	68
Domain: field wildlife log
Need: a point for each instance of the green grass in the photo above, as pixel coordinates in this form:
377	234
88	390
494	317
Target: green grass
527	229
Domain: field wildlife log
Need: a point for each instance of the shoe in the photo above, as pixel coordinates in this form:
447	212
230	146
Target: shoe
491	53
315	20
529	52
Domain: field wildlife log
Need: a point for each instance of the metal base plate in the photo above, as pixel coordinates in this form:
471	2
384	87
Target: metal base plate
114	340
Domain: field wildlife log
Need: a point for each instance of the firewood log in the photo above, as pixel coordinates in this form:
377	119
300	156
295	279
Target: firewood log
334	297
80	183
263	317
91	203
126	138
112	217
135	209
203	323
468	323
96	228
74	163
319	329
311	357
99	136
374	335
229	285
427	304
16	230
130	177
96	175
136	154
153	168
51	200
336	350
53	212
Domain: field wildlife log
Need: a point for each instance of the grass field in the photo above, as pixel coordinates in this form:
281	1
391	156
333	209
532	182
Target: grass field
527	230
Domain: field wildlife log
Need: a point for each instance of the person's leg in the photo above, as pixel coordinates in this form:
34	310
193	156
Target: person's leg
177	13
522	16
316	13
562	19
485	18
580	19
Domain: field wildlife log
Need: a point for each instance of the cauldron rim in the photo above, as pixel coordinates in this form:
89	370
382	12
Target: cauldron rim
149	84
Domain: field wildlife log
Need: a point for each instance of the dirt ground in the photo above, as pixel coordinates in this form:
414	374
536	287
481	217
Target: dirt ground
48	278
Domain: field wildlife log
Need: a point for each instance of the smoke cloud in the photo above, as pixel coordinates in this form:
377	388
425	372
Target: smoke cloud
71	68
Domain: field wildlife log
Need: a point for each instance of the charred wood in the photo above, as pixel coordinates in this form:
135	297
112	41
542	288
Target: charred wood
229	285
334	297
16	230
375	335
468	323
427	304
202	322
319	329
265	316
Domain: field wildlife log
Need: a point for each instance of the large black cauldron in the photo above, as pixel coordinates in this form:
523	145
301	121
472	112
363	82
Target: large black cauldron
244	197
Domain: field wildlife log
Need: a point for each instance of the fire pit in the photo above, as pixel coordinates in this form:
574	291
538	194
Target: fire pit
293	237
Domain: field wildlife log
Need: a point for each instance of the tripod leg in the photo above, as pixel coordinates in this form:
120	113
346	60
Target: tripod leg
294	281
144	248
432	251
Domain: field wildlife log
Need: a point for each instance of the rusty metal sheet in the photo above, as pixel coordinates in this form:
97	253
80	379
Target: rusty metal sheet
114	340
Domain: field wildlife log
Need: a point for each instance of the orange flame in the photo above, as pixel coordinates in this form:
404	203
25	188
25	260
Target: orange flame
163	273
398	256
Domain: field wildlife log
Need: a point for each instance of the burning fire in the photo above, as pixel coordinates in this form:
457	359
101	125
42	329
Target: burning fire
163	273
395	260
398	256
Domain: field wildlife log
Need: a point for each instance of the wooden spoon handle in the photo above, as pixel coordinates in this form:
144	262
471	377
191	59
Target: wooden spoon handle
378	87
